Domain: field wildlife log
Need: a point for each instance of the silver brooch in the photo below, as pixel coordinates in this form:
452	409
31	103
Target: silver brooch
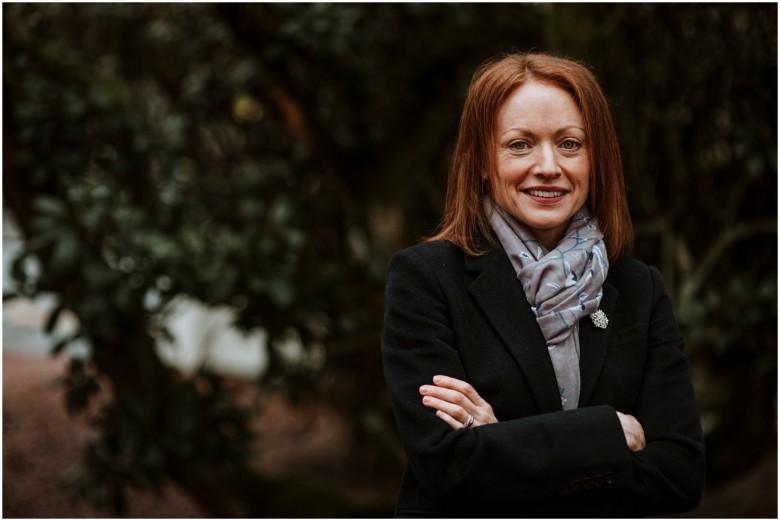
599	319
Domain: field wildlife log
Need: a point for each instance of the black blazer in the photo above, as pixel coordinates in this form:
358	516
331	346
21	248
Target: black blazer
467	317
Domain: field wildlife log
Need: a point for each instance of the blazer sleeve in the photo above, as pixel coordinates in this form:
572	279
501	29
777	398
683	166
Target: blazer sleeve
574	461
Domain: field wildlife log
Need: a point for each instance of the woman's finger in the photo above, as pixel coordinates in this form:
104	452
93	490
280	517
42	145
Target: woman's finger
457	412
452	422
462	387
448	395
633	431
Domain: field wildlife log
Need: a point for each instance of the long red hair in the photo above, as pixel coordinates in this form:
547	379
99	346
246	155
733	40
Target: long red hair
473	164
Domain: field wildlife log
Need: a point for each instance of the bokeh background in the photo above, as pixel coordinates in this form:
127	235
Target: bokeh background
200	201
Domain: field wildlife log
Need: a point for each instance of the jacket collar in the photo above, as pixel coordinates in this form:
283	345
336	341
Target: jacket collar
503	301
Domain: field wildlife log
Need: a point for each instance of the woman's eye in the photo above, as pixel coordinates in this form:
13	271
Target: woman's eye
518	145
570	145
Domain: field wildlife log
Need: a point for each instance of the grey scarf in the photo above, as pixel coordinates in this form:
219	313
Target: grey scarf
562	286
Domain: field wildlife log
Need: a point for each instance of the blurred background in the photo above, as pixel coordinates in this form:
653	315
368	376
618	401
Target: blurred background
200	201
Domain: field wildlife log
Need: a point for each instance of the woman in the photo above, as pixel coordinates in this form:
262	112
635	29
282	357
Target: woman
535	368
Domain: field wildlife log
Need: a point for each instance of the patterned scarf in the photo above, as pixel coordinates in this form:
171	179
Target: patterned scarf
562	286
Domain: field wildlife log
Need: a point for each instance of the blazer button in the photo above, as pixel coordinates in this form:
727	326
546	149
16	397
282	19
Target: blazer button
611	478
600	481
587	483
575	485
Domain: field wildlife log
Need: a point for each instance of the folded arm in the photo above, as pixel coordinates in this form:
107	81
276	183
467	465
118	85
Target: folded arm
458	404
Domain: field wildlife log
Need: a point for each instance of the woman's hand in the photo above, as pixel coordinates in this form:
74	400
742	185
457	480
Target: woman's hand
457	403
632	429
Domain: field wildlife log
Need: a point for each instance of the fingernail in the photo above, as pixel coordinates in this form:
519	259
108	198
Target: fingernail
423	389
426	400
438	379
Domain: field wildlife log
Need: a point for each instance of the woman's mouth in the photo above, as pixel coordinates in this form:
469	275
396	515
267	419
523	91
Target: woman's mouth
546	194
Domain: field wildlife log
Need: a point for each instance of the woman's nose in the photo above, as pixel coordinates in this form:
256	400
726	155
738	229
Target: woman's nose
546	164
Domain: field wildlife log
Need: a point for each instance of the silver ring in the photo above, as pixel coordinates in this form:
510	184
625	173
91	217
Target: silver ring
469	422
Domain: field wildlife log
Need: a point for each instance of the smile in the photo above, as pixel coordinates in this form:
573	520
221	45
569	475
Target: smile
544	193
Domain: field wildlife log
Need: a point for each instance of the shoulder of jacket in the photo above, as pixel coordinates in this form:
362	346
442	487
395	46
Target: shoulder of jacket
628	265
632	271
438	260
435	252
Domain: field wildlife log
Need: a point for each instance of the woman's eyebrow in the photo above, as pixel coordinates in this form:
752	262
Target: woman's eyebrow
524	130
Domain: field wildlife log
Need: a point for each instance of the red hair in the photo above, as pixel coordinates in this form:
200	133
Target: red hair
473	163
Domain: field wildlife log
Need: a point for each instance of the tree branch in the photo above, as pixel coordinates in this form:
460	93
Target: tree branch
714	254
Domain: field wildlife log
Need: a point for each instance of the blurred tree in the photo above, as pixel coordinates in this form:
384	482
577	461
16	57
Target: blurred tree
241	155
271	157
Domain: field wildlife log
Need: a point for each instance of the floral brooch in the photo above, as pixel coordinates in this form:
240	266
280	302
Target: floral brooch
599	319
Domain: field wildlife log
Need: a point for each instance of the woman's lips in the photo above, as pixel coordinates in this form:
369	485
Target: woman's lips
545	193
546	196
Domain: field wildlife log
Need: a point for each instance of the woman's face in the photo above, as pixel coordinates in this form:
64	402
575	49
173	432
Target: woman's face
542	163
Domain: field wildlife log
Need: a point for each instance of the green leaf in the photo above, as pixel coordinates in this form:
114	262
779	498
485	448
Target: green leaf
66	253
281	292
50	205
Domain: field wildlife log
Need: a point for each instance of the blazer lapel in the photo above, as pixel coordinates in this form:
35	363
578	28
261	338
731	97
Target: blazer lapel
500	295
593	344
